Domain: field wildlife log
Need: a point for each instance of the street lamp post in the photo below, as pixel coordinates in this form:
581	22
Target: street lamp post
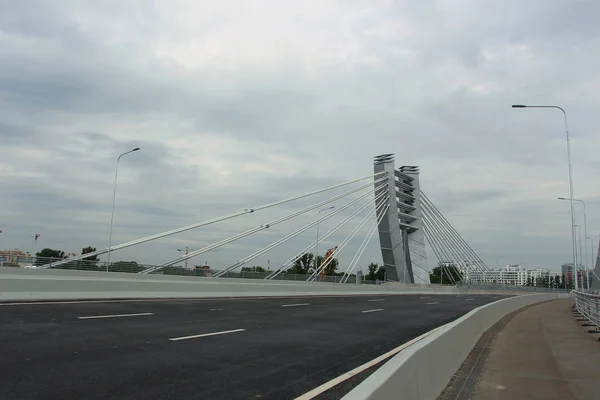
113	205
584	228
570	182
597	255
186	252
582	284
592	265
317	248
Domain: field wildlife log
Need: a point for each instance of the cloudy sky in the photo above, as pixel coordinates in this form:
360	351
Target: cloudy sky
238	103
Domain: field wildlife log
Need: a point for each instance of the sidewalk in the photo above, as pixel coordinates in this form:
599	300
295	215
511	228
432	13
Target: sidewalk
543	353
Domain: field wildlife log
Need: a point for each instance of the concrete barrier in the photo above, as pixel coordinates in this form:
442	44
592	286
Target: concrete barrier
56	284
422	370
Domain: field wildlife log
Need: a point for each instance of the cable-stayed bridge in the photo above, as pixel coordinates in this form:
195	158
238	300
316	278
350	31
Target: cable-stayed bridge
390	202
93	334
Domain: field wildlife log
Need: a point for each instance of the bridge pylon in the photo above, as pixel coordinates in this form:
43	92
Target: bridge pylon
401	235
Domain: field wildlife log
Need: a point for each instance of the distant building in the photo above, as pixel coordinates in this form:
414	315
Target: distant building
583	275
513	274
15	258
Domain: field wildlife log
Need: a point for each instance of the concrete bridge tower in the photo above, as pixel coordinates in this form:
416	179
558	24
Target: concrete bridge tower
401	234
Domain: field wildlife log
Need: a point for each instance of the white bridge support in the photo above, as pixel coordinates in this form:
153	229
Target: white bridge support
401	234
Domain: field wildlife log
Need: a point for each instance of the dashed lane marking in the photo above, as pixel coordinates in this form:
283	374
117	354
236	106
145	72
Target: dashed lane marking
206	334
116	315
370	311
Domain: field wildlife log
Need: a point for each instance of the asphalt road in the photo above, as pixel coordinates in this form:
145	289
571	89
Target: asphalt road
271	349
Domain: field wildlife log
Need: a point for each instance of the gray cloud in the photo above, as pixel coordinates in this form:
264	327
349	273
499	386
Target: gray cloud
233	111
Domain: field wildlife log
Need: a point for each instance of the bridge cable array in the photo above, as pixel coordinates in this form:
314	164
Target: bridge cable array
135	242
313	244
294	234
263	227
363	246
348	238
448	245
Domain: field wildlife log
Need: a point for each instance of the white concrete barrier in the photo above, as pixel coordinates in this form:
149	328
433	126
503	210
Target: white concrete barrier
422	370
53	284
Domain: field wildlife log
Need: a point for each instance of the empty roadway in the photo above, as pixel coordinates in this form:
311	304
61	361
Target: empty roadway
269	348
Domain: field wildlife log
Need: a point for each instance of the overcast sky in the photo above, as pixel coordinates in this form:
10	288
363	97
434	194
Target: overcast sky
239	103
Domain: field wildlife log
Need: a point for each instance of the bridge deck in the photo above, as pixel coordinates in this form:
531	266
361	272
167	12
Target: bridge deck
267	348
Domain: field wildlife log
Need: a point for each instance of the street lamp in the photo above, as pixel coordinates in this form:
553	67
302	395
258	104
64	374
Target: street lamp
113	204
186	252
317	249
570	182
579	234
584	226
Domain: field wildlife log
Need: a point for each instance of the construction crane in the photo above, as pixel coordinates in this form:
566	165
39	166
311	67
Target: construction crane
327	257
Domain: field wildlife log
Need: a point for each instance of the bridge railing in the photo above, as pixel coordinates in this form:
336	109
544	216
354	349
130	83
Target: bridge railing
588	305
133	267
495	287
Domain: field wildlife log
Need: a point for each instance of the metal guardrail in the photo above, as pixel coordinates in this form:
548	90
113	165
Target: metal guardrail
588	305
464	287
134	267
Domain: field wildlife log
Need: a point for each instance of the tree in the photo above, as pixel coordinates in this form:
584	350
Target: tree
302	265
87	250
451	274
42	256
381	273
253	269
563	284
89	262
372	275
331	267
134	267
557	281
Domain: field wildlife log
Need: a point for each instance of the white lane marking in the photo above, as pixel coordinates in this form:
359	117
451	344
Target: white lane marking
425	297
375	310
207	334
468	299
336	381
216	309
435	302
116	315
377	300
295	305
179	299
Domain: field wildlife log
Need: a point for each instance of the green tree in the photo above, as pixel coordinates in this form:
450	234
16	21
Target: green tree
47	253
372	275
87	250
134	267
302	265
90	262
451	274
253	269
381	273
557	281
331	267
